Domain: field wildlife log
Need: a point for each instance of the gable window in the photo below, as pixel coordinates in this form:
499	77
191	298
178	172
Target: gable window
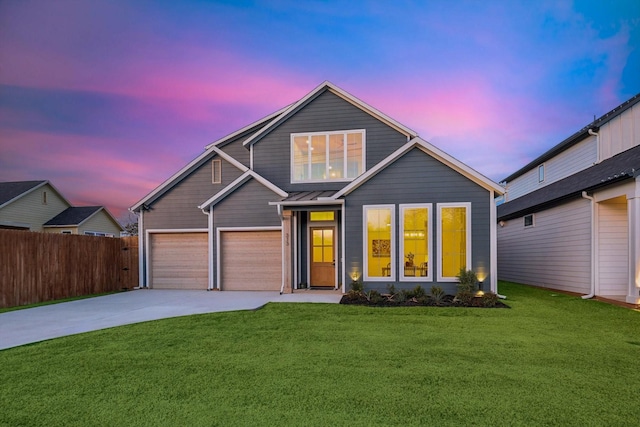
322	216
541	173
528	220
44	197
415	242
216	171
379	242
454	240
327	156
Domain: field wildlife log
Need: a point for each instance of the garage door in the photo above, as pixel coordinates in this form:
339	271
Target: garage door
251	260
178	260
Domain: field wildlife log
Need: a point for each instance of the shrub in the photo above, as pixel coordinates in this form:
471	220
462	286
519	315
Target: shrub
467	280
418	292
391	289
357	286
374	297
465	297
489	299
437	294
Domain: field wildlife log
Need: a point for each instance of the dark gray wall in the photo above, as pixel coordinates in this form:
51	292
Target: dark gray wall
327	112
418	178
247	206
236	150
178	207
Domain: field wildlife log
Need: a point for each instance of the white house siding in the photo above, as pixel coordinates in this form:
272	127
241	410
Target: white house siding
570	161
31	210
613	247
554	253
620	133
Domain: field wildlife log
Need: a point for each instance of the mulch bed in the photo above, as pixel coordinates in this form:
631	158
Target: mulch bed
387	300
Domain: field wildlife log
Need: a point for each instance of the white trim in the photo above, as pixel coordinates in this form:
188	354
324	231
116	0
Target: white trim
434	152
365	241
239	181
229	159
323	202
210	254
493	241
533	221
220	230
342	255
429	207
164	231
309	164
541	166
322	224
468	266
216	166
342	94
142	279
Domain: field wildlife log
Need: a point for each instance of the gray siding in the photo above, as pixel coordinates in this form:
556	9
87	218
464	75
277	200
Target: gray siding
248	206
554	253
236	150
328	112
418	178
178	207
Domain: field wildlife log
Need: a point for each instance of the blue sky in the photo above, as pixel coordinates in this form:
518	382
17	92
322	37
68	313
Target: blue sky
107	99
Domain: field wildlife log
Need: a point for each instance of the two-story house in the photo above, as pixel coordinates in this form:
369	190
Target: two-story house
320	193
571	220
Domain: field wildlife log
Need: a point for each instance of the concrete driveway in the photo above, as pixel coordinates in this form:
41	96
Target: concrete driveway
57	320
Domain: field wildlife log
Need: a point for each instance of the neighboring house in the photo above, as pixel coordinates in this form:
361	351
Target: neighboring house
571	220
39	206
86	220
322	192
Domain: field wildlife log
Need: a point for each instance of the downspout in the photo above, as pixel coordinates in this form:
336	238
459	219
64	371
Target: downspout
141	277
593	244
597	135
210	244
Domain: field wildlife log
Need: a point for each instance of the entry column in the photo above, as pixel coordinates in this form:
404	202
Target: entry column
287	286
633	205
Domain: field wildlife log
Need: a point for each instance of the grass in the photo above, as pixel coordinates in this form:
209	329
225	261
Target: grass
551	359
56	301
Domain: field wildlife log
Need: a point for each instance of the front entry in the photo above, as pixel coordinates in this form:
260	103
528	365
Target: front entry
323	259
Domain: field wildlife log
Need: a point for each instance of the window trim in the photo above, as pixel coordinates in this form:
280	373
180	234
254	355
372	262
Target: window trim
440	206
429	207
327	157
365	239
541	173
533	221
216	166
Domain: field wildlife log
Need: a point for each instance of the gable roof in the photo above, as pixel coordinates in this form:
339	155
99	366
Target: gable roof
12	191
248	175
76	216
432	151
575	138
623	166
327	86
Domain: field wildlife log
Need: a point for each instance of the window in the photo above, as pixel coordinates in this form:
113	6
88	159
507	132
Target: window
415	242
322	216
454	239
44	197
66	232
540	173
379	242
97	233
327	156
528	220
216	171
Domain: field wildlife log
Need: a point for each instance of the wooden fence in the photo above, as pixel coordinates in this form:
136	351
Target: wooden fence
37	267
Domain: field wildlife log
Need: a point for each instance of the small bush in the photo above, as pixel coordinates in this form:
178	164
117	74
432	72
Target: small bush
374	297
468	280
391	289
357	286
465	297
418	292
489	299
437	294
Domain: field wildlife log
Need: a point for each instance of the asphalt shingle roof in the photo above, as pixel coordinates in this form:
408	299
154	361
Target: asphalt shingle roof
625	165
73	216
11	190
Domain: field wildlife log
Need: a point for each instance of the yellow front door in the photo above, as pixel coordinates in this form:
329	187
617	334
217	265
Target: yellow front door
323	260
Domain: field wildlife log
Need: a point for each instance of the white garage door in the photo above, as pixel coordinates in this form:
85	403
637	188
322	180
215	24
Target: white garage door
178	260
251	260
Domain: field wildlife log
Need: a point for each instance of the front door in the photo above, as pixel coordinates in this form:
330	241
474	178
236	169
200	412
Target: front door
323	259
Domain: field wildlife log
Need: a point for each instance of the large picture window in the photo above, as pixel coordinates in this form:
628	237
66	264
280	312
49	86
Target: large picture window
454	239
415	242
379	242
327	156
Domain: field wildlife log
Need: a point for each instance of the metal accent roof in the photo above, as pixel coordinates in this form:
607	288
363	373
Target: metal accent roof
625	165
307	196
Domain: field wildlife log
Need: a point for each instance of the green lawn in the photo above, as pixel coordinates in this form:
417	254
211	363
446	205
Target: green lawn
551	359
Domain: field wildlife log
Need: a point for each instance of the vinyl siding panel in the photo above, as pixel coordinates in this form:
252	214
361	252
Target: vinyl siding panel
100	222
620	133
554	253
178	208
236	150
575	159
31	210
613	247
327	112
418	178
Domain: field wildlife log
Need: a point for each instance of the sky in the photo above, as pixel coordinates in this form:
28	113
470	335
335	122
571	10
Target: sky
109	98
